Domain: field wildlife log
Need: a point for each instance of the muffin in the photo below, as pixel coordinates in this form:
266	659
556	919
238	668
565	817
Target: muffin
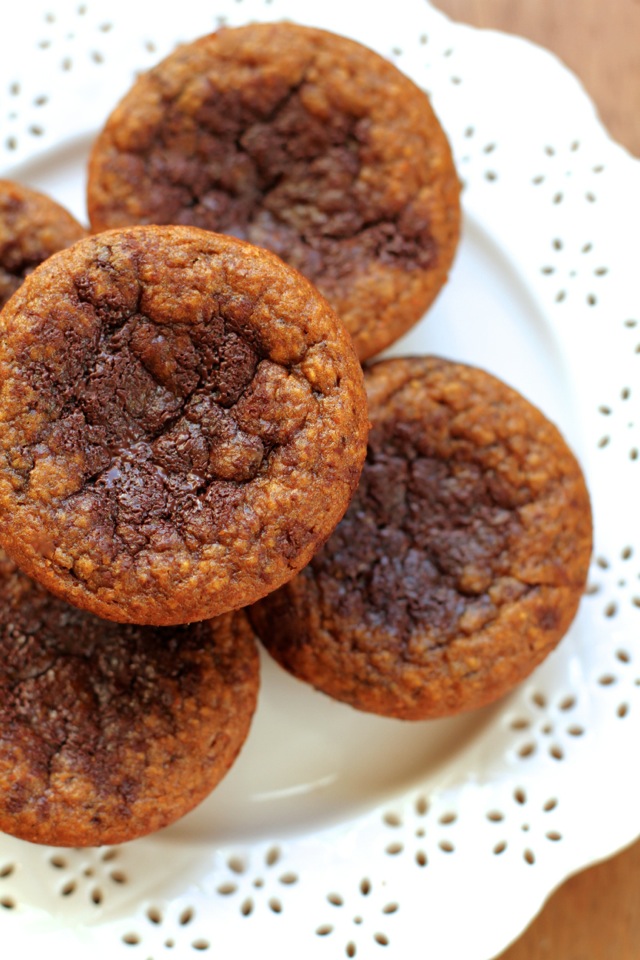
111	731
460	562
32	227
182	424
302	142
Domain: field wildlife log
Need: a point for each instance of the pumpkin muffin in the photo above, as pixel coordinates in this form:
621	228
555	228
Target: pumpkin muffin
182	424
460	562
300	141
32	227
111	731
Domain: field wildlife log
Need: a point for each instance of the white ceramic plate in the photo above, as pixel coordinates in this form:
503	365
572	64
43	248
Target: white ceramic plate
339	834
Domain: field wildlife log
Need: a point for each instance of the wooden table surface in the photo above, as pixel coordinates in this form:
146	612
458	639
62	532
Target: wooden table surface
594	915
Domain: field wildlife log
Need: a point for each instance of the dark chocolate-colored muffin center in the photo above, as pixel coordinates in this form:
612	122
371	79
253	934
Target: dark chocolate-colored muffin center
425	540
77	686
276	175
162	423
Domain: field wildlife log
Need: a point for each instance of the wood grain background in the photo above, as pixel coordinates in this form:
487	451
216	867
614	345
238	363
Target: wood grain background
596	914
598	39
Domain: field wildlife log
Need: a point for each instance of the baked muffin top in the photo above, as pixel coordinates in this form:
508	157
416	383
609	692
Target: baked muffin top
300	141
32	227
182	423
462	557
111	731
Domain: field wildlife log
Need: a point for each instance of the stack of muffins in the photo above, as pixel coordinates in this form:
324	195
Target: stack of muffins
184	422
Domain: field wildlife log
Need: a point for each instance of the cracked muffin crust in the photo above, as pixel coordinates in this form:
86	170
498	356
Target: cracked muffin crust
111	731
460	562
302	142
32	227
182	424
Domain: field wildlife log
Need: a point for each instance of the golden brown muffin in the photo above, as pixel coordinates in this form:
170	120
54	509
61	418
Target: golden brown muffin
111	731
32	227
300	141
182	423
460	562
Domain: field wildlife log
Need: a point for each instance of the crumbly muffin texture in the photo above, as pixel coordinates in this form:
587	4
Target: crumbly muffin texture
111	731
182	424
303	142
460	562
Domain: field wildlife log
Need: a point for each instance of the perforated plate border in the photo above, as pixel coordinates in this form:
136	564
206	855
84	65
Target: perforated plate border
458	870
